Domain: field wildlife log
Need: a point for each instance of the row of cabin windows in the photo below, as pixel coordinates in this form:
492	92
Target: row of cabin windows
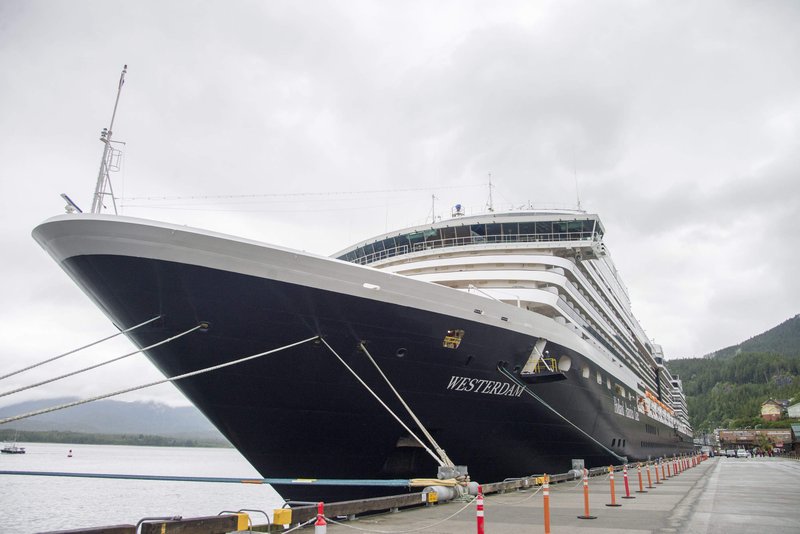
465	234
618	389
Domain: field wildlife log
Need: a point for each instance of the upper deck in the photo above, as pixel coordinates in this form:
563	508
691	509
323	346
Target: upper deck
488	228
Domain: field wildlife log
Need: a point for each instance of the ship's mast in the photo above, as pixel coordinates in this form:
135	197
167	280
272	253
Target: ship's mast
103	179
490	204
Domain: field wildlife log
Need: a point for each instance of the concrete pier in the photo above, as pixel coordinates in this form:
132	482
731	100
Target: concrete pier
720	496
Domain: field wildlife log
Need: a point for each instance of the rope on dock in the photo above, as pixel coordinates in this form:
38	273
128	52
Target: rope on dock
443	455
426	527
73	351
112	360
516	503
156	383
427	449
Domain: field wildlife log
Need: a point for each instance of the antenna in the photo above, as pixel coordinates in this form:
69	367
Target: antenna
433	208
110	158
490	205
575	176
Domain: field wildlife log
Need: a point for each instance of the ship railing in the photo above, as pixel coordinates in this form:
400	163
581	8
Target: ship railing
546	365
471	240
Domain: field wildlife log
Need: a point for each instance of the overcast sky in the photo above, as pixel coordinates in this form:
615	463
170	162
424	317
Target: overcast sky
679	122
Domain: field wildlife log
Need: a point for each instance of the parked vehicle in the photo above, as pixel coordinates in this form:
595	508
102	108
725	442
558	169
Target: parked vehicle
741	453
730	453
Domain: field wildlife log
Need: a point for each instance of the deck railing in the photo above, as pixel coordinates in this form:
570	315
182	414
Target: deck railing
470	240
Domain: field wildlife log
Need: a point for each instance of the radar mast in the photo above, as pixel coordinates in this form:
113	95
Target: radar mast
111	157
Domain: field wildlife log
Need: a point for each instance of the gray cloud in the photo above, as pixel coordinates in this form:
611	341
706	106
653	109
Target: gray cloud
679	122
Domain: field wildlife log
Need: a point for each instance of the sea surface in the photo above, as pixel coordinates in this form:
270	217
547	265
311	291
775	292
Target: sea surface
39	503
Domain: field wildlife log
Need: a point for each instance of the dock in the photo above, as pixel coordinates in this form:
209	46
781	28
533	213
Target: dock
717	496
721	495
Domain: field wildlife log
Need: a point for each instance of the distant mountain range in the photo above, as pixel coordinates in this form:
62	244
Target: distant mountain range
783	339
725	389
116	417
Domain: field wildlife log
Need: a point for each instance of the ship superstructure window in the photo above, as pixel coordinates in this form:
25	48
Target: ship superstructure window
470	234
585	371
599	378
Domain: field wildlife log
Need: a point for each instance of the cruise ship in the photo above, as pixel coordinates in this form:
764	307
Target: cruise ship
502	341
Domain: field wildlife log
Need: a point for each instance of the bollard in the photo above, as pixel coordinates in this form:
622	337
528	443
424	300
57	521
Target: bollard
669	470
641	485
479	509
625	479
586	497
611	482
650	480
663	476
546	499
320	527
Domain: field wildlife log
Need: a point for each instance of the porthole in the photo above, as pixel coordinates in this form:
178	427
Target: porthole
401	352
585	371
564	363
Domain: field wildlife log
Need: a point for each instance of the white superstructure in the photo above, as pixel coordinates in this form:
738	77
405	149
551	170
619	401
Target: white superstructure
551	263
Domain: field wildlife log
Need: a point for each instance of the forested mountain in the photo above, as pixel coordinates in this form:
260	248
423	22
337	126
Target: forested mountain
726	389
783	339
116	417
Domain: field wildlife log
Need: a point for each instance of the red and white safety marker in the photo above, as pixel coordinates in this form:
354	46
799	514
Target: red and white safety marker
625	479
321	526
611	483
586	514
546	496
479	509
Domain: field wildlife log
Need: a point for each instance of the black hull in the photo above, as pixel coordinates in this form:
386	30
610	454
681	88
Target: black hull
300	414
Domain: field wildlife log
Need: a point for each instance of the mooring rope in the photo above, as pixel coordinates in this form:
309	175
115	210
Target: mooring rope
492	498
112	360
417	529
394	482
429	451
156	383
443	455
525	388
73	351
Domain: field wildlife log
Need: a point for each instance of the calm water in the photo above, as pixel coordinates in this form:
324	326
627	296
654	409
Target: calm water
34	504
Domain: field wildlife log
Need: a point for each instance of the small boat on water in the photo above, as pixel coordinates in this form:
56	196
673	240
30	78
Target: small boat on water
13	449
